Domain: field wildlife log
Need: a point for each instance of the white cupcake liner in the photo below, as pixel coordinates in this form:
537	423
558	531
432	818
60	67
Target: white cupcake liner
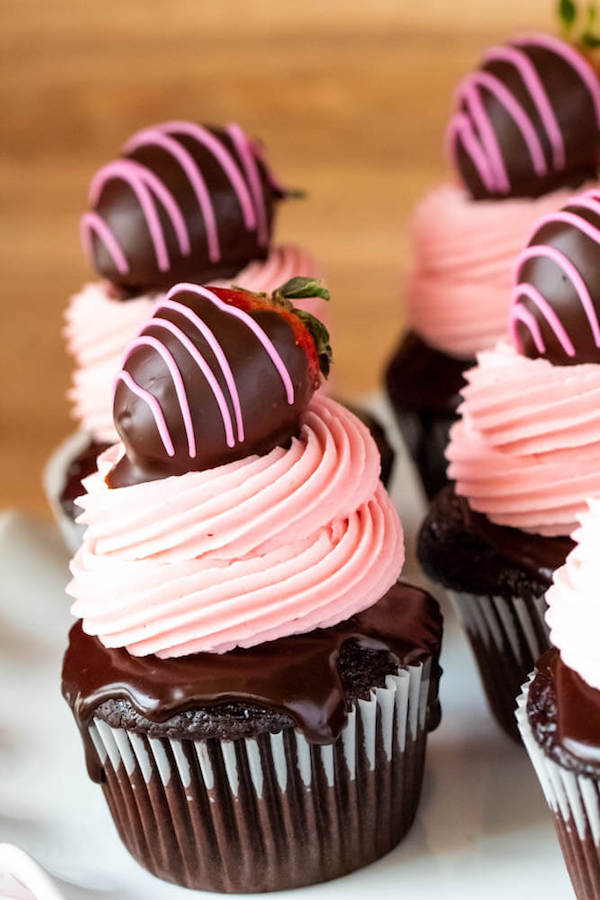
54	482
575	803
507	637
272	812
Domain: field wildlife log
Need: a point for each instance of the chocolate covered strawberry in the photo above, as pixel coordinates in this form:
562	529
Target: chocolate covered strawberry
183	201
217	374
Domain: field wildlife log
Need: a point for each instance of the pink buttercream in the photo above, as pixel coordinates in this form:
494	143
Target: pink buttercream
464	252
573	606
98	328
251	551
526	451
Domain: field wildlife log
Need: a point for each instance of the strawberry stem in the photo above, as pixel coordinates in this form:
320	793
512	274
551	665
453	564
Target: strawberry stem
295	194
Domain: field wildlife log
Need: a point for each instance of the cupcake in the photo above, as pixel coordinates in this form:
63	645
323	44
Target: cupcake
183	201
525	455
559	709
253	686
525	130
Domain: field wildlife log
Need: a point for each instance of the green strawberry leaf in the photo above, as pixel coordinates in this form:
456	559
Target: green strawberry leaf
567	13
320	336
588	39
298	287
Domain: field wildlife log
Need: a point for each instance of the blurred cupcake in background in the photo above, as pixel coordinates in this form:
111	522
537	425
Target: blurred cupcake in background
525	455
559	710
525	131
183	201
253	686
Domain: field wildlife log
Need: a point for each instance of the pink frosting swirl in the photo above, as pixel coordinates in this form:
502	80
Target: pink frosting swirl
459	291
573	614
526	451
98	329
298	539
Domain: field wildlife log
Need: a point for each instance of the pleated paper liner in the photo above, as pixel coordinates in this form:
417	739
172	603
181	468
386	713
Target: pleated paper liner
507	637
54	482
271	812
575	804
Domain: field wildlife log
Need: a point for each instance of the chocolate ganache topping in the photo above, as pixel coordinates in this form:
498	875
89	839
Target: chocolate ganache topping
556	305
296	675
183	202
216	375
465	551
527	121
564	713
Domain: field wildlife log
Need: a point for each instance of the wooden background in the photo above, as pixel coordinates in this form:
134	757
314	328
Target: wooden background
350	97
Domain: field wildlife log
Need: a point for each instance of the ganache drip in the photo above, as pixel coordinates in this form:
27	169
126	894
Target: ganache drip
296	675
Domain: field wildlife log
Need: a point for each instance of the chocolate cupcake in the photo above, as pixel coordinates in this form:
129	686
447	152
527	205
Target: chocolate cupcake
253	686
524	131
559	710
525	455
183	201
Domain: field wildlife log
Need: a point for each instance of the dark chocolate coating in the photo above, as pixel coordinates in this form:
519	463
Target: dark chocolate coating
564	713
269	420
423	386
80	467
121	210
296	677
559	291
575	114
465	552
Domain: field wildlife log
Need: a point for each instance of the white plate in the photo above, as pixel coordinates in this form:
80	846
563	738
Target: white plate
482	831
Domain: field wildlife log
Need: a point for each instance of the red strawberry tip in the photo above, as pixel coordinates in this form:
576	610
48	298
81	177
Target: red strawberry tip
294	288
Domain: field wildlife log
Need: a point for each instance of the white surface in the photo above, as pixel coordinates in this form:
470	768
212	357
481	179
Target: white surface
23	878
483	831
